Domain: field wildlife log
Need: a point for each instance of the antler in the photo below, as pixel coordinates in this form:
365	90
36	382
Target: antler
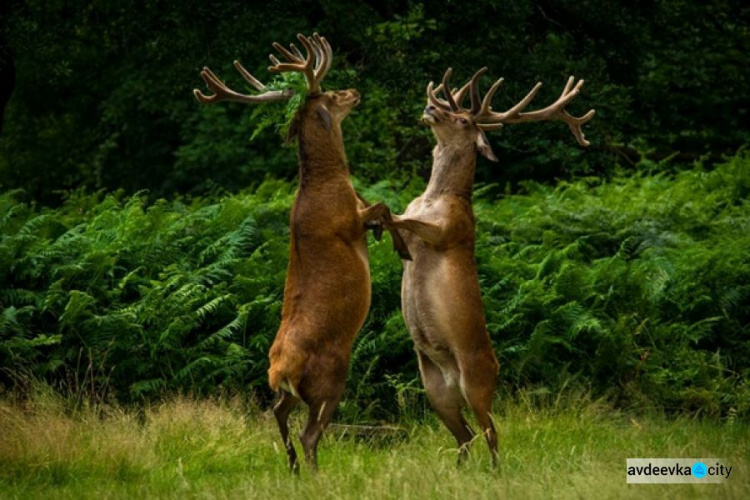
314	65
455	97
486	119
223	93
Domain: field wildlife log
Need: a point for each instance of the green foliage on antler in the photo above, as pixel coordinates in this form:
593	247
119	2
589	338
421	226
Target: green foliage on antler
280	116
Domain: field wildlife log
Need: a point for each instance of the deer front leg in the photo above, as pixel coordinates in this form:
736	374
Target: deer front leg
377	229
431	232
380	215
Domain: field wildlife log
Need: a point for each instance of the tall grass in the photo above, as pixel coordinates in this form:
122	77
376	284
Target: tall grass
564	446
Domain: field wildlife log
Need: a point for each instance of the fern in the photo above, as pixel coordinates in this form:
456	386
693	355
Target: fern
637	288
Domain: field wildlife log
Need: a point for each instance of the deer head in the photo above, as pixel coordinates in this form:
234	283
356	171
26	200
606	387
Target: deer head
330	108
461	127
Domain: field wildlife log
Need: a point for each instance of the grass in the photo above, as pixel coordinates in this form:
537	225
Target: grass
562	448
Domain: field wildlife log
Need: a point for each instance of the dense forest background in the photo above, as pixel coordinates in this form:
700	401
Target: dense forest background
103	89
144	236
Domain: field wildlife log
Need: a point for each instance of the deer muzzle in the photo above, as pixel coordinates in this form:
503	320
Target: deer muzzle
430	114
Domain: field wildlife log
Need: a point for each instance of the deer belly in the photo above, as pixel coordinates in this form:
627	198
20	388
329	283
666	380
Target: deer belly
360	248
352	298
329	291
427	302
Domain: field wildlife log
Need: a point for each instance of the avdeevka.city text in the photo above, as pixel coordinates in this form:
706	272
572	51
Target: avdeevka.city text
677	470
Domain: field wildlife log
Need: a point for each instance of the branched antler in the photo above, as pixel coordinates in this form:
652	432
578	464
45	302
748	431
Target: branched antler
556	111
315	66
223	93
486	119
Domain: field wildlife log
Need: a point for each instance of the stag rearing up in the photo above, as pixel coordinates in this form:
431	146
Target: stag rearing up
327	290
440	295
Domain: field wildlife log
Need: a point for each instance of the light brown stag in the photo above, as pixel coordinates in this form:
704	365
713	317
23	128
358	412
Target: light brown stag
440	295
327	290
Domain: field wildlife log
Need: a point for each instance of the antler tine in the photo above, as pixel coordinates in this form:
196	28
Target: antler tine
318	53
486	106
474	86
516	110
490	126
326	56
575	123
213	82
319	58
329	51
307	43
297	52
274	61
248	77
284	52
487	117
461	94
435	99
447	90
569	84
223	93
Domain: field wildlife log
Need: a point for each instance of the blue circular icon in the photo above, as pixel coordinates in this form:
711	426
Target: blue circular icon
699	470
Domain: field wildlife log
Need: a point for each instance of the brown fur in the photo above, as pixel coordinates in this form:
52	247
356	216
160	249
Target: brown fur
327	254
327	291
441	299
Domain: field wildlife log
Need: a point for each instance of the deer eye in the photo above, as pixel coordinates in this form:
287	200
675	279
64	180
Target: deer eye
463	121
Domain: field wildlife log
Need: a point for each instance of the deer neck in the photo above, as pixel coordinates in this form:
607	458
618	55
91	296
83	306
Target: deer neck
452	171
321	152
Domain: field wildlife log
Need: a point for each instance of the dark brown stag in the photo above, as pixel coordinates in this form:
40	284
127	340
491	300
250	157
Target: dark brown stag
440	295
327	290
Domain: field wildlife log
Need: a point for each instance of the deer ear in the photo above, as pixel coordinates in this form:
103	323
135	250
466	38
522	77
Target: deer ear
325	116
483	146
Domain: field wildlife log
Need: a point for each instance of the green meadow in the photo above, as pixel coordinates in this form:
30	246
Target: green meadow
567	446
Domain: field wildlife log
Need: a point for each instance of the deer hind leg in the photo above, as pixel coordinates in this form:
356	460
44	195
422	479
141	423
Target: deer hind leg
447	402
281	412
478	379
320	415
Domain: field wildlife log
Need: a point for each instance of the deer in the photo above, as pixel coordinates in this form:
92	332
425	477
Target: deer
440	294
327	290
